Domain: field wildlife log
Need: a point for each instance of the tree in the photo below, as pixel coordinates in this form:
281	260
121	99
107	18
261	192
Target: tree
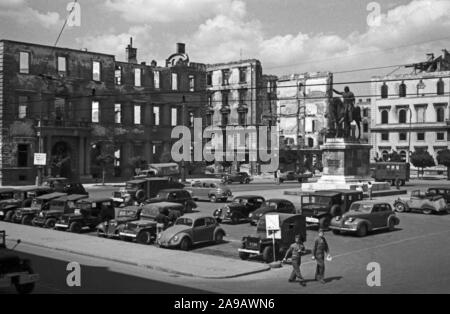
395	157
421	160
104	161
137	162
443	158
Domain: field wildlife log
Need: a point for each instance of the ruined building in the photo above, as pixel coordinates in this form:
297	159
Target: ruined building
83	108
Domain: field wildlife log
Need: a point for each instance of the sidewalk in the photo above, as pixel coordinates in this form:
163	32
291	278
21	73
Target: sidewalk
152	257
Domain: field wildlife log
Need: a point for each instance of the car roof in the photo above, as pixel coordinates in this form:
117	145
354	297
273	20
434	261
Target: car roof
95	199
51	196
278	200
325	193
343	191
248	196
371	202
197	216
163	204
72	197
137	181
6	190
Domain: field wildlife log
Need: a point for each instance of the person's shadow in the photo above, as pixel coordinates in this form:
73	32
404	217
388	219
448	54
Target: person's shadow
327	280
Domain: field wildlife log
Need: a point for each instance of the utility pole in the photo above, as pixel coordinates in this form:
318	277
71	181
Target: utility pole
183	162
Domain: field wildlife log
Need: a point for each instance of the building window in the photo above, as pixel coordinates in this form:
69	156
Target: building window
62	65
191	119
118	75
402	116
117	157
384	91
191	83
365	112
156	117
209	116
24	62
403	155
365	127
421	136
118	113
60	104
225	118
242	96
242	75
384	117
225	99
137	77
242	118
174	116
440	136
440	87
402	136
174	81
22	155
440	114
23	107
420	114
96	71
385	136
156	79
385	155
402	90
225	77
95	112
209	79
137	114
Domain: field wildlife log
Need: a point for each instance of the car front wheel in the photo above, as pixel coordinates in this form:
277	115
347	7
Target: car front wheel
325	222
213	199
362	230
427	211
400	207
218	238
144	238
185	244
75	227
50	223
268	254
27	220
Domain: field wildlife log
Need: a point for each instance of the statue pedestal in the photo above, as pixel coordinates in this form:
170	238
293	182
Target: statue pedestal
346	165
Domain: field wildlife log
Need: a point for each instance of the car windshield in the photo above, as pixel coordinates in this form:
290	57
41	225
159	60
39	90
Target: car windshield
272	205
315	199
362	208
127	213
84	205
184	221
241	201
131	186
163	195
36	203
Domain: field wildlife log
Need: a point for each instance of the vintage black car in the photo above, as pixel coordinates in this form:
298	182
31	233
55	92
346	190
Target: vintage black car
239	208
239	177
365	216
15	271
295	176
155	217
64	185
23	196
112	228
444	191
25	215
273	205
180	196
56	208
6	194
137	191
262	245
89	212
321	206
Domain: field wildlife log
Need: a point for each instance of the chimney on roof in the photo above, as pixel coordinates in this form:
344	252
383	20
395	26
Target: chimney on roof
430	56
181	48
131	52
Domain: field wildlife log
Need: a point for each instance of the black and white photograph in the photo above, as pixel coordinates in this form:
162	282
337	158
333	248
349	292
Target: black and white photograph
242	149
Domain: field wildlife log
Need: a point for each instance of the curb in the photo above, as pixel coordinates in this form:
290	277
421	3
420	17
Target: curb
157	268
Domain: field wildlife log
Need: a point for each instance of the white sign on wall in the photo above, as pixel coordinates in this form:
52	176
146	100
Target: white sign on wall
40	159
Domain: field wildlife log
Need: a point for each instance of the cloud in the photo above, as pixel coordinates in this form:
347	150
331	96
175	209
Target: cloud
165	11
21	12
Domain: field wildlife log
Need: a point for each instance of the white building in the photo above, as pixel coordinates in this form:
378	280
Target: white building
410	112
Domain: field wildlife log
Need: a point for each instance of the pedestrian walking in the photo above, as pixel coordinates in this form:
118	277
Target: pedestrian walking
369	188
295	250
320	250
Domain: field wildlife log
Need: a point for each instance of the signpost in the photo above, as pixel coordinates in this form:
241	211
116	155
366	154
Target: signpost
40	159
273	230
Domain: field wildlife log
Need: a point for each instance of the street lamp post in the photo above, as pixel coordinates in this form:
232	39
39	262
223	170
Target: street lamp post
409	136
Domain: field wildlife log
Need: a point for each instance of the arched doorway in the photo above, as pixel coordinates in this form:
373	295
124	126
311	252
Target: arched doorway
61	161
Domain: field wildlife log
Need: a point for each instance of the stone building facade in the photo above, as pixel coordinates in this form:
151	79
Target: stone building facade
77	105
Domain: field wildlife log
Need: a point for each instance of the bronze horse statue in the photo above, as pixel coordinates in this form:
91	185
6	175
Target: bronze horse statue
341	118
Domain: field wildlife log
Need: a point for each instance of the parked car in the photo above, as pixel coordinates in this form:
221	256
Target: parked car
239	177
320	207
147	173
7	193
89	212
364	217
440	190
15	271
273	205
180	196
209	189
56	209
112	228
153	217
294	176
191	229
23	196
64	185
239	208
423	202
137	191
25	215
261	245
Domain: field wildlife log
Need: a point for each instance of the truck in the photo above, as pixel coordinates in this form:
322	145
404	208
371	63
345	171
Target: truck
396	173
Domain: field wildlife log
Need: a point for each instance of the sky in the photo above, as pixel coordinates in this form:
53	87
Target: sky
287	36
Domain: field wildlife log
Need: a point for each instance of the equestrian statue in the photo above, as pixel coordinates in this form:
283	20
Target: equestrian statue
342	113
